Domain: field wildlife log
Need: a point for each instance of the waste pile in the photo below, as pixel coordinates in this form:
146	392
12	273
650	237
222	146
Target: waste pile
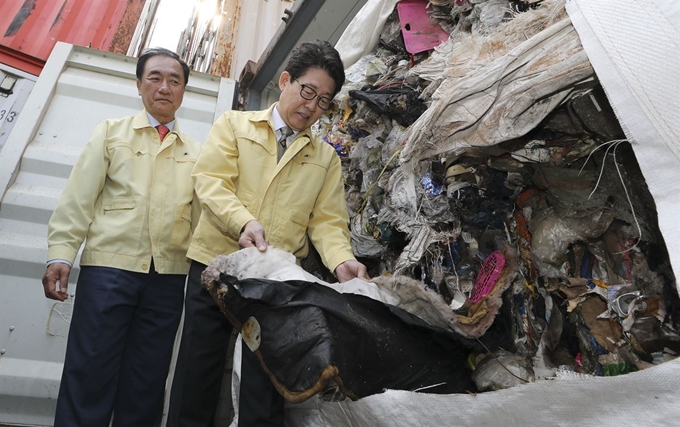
491	170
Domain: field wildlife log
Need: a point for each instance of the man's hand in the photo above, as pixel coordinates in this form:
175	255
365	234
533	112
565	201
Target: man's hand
253	235
350	269
56	272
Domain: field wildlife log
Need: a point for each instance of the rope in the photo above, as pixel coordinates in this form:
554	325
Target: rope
615	144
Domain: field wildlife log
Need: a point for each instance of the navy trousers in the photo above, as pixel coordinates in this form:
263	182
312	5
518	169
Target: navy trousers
119	348
200	366
260	405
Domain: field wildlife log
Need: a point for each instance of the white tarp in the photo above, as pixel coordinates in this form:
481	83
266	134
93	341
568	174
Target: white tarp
634	48
363	33
635	51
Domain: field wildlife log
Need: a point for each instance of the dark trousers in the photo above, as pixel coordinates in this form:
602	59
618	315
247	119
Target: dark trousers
260	405
119	348
200	366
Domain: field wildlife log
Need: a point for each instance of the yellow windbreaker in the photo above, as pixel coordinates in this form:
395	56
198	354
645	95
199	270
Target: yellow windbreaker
237	179
130	196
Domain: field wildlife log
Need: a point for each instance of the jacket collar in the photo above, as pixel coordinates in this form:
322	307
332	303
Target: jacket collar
266	116
141	121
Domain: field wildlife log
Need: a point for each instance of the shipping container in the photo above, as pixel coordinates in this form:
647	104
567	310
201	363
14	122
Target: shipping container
221	36
78	88
29	29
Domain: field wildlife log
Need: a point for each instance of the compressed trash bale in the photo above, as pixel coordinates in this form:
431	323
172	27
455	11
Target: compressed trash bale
309	337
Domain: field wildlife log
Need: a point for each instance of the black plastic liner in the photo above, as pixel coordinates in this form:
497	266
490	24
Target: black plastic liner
402	104
312	335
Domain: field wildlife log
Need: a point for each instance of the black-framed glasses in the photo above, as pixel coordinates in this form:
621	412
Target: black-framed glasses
308	93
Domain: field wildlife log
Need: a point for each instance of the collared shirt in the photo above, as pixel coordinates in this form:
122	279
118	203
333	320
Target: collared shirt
130	198
278	123
154	123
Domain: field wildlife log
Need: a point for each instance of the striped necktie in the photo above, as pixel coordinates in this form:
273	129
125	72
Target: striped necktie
283	134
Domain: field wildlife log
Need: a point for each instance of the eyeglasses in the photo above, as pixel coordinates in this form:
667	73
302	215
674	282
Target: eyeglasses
308	93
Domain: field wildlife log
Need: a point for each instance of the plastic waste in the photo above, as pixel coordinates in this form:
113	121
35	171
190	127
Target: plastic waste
420	33
401	104
502	370
488	276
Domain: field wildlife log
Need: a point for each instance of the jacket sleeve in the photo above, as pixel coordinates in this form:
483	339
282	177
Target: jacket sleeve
328	224
195	203
71	219
215	174
195	212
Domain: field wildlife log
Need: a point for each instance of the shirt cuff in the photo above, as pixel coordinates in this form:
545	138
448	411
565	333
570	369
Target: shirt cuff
63	261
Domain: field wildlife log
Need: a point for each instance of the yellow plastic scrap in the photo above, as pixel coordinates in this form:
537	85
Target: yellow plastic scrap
345	114
531	288
475	313
600	283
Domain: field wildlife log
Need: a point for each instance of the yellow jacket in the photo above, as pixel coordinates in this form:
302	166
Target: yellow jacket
237	179
130	195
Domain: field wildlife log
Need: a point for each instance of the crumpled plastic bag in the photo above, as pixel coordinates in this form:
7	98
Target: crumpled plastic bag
502	370
552	233
401	104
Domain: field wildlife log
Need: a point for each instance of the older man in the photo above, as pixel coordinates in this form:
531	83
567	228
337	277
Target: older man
130	196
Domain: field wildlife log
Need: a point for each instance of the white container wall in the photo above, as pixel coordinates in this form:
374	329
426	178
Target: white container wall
78	88
15	86
259	21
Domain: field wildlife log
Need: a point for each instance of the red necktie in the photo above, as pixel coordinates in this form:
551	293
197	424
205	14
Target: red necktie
162	131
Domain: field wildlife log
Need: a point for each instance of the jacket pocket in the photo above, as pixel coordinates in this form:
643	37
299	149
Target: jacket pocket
295	232
118	204
185	159
180	188
181	228
117	226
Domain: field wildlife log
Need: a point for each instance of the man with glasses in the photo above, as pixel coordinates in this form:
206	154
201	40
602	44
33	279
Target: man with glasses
262	178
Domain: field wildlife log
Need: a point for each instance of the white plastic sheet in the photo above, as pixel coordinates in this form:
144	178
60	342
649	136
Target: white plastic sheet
634	47
363	33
